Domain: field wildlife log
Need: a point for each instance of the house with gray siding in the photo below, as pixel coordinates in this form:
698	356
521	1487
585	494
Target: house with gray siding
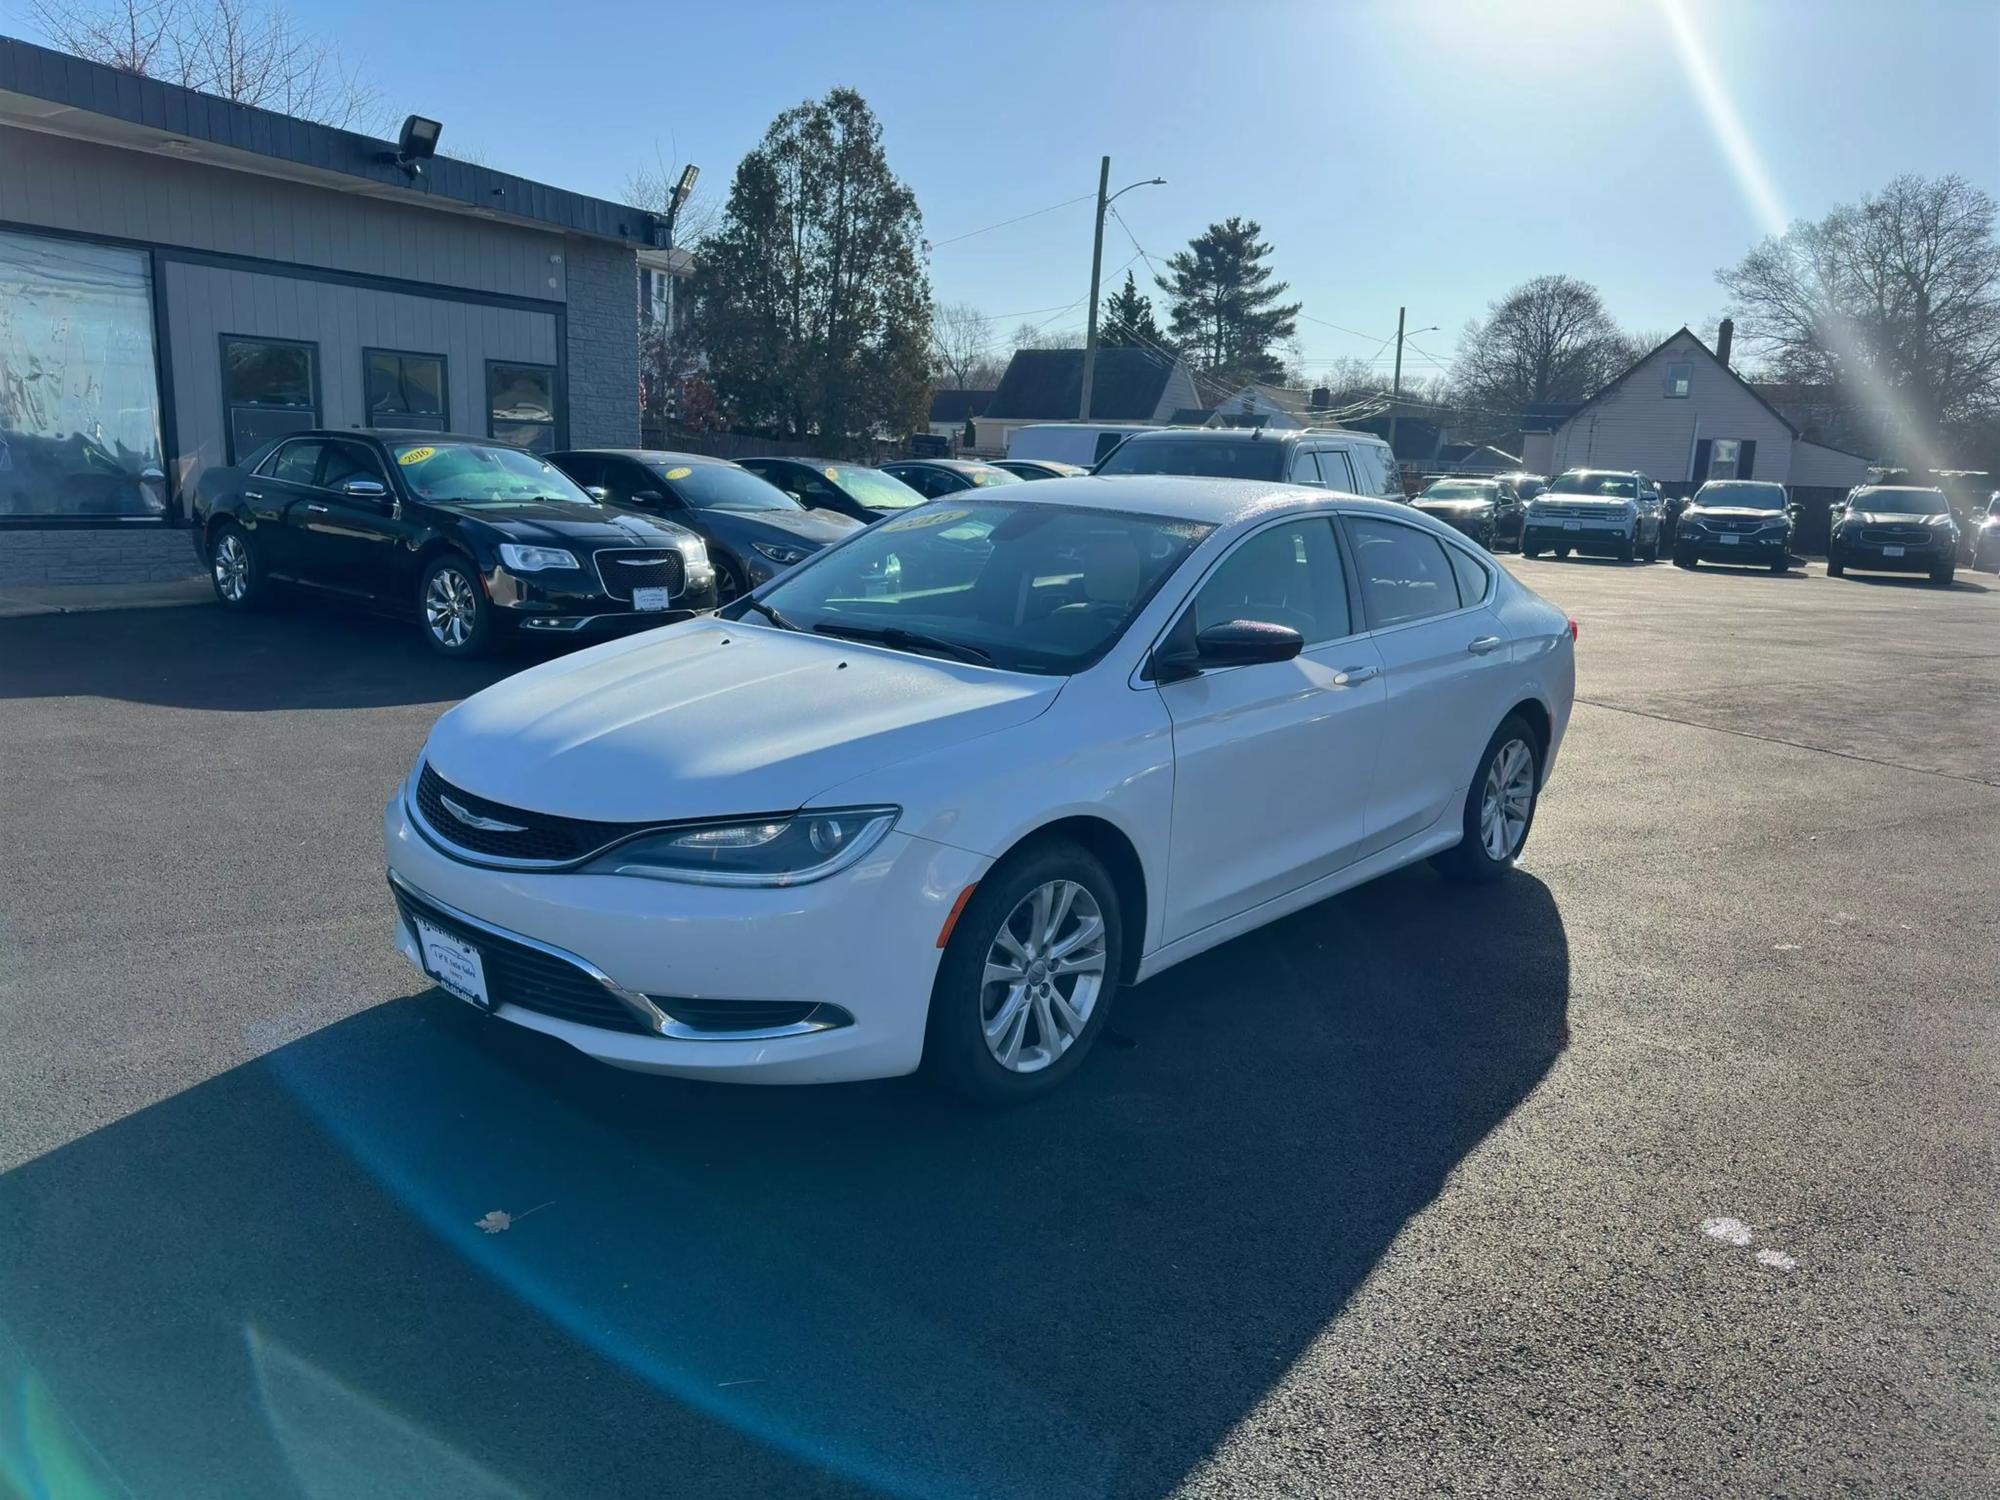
183	278
1682	416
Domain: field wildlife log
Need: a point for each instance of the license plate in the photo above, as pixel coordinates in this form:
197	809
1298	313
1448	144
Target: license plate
454	964
1730	541
649	598
1572	526
1892	551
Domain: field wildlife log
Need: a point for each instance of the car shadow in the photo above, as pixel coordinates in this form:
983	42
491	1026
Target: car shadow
1959	584
290	1279
304	655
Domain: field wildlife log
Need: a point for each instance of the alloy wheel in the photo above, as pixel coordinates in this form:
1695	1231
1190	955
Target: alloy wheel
1508	798
450	607
1044	973
232	567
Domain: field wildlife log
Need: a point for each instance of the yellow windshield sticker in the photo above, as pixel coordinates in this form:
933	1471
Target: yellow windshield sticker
918	520
833	474
680	473
414	455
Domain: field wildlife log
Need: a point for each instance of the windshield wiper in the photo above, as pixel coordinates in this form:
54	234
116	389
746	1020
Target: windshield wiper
769	613
908	640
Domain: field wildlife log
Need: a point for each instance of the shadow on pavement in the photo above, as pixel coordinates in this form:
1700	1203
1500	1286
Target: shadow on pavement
1960	584
273	1284
308	655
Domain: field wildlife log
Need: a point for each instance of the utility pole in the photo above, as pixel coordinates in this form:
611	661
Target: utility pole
1096	267
1396	390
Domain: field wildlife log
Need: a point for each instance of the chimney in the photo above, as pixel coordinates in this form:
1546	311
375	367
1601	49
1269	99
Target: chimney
1322	398
1725	335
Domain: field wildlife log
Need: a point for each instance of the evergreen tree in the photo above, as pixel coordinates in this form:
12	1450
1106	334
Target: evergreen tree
1224	305
1128	320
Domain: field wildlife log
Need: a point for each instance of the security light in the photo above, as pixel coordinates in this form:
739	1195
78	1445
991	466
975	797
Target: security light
686	183
417	143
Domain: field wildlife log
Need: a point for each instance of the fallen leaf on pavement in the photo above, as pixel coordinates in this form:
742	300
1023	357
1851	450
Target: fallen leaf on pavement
496	1221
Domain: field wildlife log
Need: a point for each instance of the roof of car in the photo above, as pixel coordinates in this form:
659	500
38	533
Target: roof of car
667	455
402	435
962	465
1179	497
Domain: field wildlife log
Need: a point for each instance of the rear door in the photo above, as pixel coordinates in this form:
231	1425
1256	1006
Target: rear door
1445	666
1272	762
285	484
1337	468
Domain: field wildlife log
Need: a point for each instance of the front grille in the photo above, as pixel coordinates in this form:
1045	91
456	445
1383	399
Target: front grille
1546	512
541	836
1896	536
1733	528
622	570
517	974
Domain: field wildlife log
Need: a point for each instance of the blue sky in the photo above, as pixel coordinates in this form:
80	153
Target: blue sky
1425	153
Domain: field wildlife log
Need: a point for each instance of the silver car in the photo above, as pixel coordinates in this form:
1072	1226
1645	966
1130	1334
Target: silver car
1608	512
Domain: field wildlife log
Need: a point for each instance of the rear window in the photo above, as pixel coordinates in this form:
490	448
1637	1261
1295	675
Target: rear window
1204	457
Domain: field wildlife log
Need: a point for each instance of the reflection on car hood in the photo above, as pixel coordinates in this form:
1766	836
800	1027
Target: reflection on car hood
557	525
1423	504
1733	513
714	719
815	528
1891	517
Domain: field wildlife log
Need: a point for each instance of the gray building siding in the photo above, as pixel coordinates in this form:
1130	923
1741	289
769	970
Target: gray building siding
603	345
204	303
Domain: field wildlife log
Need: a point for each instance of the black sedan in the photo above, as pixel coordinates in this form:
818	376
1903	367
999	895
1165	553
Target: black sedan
1743	521
848	489
947	476
1894	528
1039	468
753	529
1487	510
472	537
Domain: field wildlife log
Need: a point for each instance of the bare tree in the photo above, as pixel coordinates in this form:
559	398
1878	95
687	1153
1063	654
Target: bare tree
1041	336
230	48
962	357
1895	301
1549	339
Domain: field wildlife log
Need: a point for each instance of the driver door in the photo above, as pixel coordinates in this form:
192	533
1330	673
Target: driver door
350	540
1273	763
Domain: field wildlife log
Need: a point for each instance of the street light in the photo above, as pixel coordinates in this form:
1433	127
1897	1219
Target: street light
683	187
1096	268
1396	385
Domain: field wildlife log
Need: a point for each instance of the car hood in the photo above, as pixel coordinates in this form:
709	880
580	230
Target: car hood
1733	513
815	528
559	524
1422	504
1892	517
1609	502
713	719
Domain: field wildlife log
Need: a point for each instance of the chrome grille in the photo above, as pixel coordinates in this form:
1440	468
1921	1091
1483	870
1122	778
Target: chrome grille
623	569
1546	512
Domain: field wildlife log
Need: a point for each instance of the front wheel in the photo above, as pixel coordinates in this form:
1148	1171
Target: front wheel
1499	808
1028	977
729	583
1628	549
458	618
1782	565
1529	550
1686	560
1834	565
1943	576
1653	549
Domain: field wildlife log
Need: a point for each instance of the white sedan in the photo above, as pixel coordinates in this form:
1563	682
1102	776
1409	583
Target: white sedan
934	796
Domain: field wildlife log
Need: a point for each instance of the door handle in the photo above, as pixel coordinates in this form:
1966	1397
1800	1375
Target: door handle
1485	644
253	494
1349	676
315	506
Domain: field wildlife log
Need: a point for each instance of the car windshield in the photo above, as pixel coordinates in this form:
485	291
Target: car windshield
1910	502
1212	458
1028	588
479	474
1460	489
721	487
1748	494
873	488
984	474
1619	486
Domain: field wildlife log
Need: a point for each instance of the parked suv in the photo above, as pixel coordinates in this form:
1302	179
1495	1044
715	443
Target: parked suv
1894	528
1355	462
1487	510
1614	512
1735	521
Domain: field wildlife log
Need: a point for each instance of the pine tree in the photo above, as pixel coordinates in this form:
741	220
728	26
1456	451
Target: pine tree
1128	321
1224	304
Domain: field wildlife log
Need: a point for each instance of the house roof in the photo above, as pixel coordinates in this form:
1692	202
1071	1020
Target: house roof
1694	338
94	102
957	405
1044	385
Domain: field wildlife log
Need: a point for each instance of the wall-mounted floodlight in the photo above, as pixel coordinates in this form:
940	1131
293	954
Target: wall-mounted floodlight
416	144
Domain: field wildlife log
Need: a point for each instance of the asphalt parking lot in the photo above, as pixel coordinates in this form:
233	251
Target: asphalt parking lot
1404	1195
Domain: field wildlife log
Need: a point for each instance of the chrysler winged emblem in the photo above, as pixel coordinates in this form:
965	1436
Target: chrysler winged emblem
472	819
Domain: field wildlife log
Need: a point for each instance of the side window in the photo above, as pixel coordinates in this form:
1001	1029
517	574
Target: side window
1680	380
1305	470
1392	474
1287	575
1405	574
586	469
296	463
1106	441
1338	469
1474	582
521	405
345	461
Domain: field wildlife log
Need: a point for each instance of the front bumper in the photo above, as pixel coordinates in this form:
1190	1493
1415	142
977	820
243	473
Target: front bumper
570	602
1917	557
1475	524
864	940
1725	548
1582	536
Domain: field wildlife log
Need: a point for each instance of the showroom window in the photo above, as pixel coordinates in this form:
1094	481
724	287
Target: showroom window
405	390
521	403
269	387
79	388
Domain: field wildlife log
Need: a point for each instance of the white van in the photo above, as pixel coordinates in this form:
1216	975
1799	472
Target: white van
1358	463
1070	442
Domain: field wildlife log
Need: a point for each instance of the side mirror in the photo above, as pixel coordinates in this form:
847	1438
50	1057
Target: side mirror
597	492
649	497
365	489
1233	643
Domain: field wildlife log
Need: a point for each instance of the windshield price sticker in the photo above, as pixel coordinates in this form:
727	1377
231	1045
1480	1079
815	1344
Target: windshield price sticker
414	455
680	473
832	473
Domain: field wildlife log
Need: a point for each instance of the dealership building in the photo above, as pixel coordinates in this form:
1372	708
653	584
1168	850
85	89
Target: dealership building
183	278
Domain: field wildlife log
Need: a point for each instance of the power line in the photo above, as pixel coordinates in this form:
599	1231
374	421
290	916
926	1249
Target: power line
1035	214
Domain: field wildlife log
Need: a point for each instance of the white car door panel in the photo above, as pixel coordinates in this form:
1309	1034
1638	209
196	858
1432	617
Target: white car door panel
1272	763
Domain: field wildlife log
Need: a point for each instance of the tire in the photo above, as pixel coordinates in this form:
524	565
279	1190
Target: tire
452	608
1782	565
1835	565
1472	860
1942	577
729	581
1563	553
234	569
1653	549
1527	551
1687	560
1628	550
965	1006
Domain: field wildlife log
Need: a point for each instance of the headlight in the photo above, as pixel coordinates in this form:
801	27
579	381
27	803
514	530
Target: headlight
694	551
759	851
780	554
521	558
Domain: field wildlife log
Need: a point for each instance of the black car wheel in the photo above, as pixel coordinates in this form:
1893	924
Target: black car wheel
1944	575
1781	565
457	617
1499	807
1835	565
1685	558
1027	978
729	582
234	569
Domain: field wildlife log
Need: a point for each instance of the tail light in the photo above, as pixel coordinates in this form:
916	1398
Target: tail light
1572	627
